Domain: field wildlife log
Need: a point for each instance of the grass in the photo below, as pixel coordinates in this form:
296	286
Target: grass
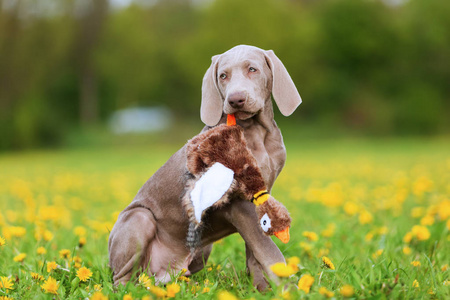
373	207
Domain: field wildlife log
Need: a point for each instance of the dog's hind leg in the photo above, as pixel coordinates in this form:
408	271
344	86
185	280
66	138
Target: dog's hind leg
200	259
129	242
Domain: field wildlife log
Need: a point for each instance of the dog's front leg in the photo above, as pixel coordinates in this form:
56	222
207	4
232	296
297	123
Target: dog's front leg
261	251
255	269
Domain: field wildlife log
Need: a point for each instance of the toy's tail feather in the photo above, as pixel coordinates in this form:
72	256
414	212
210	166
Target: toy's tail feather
194	236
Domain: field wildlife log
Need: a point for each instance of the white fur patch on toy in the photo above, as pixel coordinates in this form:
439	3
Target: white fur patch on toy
210	188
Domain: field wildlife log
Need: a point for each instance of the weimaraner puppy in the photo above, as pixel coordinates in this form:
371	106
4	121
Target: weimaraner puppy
150	234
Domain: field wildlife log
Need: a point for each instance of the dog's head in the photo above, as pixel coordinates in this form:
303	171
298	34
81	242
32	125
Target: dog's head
241	80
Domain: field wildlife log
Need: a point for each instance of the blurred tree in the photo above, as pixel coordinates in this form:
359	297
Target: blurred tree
362	65
90	25
356	47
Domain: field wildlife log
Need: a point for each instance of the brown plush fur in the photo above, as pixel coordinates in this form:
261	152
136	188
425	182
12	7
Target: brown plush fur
226	145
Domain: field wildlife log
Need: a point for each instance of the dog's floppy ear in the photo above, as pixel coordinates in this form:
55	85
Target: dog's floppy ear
284	91
212	103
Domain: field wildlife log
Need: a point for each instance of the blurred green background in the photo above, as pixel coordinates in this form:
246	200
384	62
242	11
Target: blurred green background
362	67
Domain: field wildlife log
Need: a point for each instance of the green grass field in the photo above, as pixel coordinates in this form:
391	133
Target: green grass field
378	209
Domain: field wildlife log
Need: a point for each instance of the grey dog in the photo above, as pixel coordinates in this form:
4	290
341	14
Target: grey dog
150	233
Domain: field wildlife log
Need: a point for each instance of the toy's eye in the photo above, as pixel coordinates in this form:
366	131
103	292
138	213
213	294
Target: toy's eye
223	76
265	223
251	69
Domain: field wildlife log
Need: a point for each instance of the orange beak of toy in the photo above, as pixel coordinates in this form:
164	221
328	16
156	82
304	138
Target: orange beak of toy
283	235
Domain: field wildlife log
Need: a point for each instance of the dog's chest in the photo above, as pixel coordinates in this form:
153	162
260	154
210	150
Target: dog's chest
270	158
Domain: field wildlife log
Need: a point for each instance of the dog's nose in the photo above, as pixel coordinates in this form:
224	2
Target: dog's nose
237	99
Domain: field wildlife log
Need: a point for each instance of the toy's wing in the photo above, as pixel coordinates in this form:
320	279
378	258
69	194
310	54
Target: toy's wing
210	188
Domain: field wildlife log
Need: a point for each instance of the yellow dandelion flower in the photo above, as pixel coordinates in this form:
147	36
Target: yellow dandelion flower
6	283
48	236
417	212
422	185
79	231
5	298
195	288
293	261
286	295
329	231
98	296
172	290
36	276
377	253
84	274
323	291
407	250
82	241
64	253
282	270
205	290
347	290
444	268
98	287
41	250
145	280
184	278
20	257
369	236
51	265
327	262
77	259
383	230
310	235
415	263
305	283
147	298
365	217
2	241
17	231
50	286
323	252
446	283
427	220
351	208
224	295
420	232
127	297
408	237
444	210
306	247
157	291
415	283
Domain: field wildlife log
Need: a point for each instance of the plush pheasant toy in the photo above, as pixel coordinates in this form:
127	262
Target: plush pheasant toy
222	168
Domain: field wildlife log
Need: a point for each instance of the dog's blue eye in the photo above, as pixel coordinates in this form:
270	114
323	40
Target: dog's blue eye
223	76
251	69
